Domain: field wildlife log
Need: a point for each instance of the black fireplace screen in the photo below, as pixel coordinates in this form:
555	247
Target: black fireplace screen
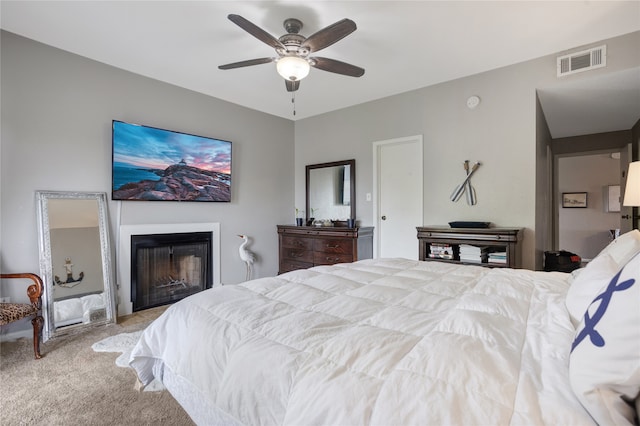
168	267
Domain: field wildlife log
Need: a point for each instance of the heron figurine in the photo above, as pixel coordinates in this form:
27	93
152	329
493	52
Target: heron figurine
247	256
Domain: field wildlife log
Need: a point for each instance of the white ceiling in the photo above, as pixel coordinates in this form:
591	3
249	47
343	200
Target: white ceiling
403	45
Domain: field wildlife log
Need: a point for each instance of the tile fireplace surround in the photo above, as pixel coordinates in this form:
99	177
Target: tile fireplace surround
123	279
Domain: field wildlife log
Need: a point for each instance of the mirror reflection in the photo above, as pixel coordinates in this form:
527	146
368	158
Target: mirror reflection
331	191
75	261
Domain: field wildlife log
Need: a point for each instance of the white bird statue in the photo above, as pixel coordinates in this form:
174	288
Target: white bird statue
247	256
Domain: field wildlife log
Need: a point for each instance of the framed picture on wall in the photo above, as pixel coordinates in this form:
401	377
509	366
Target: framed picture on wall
574	200
151	164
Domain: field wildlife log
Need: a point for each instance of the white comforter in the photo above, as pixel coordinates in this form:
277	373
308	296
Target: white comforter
385	342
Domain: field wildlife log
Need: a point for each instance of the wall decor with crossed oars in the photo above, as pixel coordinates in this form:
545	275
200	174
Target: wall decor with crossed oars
465	186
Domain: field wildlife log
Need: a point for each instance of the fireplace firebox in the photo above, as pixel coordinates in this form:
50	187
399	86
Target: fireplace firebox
166	268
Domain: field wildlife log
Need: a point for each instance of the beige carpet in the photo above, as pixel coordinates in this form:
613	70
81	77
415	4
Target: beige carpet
73	385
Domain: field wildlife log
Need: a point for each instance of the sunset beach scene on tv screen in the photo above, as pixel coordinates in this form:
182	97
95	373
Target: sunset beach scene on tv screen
151	164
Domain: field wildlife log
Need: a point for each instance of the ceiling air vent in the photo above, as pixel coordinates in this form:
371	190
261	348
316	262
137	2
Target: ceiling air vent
582	61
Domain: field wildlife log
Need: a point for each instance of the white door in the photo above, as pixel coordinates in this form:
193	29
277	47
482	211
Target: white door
398	180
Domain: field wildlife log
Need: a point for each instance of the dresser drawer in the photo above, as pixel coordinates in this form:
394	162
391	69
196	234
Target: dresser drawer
292	265
330	258
298	243
299	255
337	246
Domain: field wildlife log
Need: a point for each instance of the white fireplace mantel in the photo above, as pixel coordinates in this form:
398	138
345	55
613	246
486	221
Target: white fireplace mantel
125	306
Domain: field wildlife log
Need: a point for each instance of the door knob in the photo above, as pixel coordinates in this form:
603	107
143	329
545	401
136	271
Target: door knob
384	217
626	216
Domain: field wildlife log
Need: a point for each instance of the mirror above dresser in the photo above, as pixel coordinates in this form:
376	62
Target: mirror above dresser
330	200
331	191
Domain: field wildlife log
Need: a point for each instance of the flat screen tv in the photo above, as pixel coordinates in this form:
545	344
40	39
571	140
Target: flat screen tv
151	164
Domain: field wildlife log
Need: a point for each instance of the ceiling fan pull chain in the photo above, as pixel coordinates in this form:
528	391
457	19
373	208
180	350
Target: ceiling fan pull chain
293	101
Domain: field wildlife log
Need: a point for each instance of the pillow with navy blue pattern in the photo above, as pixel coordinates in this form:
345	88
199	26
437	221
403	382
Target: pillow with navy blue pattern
586	285
604	365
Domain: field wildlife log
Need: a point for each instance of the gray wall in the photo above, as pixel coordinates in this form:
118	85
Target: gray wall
501	133
451	133
585	231
56	135
588	233
544	188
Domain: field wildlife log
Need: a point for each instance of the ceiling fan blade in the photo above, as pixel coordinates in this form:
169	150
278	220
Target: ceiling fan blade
292	86
329	35
338	67
246	63
256	31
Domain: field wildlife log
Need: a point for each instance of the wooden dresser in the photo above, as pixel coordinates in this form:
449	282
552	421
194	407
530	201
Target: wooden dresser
302	247
506	240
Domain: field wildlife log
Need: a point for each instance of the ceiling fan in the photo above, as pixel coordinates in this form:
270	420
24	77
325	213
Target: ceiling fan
293	61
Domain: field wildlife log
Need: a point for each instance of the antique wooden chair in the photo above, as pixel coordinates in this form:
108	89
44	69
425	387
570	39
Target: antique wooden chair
11	312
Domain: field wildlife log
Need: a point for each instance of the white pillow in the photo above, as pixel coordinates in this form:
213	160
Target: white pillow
599	271
575	273
65	310
623	248
91	303
604	365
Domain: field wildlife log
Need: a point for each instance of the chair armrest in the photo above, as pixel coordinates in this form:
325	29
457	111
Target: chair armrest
34	291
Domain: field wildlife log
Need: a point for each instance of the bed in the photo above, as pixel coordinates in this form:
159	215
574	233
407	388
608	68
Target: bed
380	342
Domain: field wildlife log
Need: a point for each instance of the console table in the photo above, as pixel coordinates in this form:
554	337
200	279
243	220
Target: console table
302	247
487	240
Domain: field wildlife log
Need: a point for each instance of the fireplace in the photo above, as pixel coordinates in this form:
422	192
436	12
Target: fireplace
125	275
166	268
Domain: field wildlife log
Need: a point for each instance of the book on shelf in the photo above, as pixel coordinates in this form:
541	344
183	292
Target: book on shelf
469	253
440	251
497	257
498	254
468	249
441	256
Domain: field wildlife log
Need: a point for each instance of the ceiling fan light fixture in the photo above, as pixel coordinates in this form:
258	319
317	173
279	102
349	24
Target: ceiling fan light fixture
293	68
